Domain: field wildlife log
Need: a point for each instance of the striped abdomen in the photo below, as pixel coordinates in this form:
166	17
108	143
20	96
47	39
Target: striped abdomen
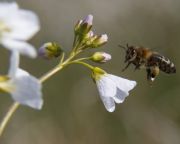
162	62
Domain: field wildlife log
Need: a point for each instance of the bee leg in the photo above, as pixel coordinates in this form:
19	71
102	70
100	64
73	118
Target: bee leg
139	64
137	67
148	70
152	73
126	66
150	78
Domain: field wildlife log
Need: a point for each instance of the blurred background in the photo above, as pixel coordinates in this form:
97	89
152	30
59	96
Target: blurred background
73	112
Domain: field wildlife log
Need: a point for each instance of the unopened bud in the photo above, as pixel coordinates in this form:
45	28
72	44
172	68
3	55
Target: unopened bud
88	20
84	26
99	41
101	57
77	26
87	40
50	50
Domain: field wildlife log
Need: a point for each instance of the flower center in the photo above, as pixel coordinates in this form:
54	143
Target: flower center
5	84
3	28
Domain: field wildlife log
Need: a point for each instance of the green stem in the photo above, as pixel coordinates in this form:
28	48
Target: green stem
81	59
82	63
74	41
45	77
8	115
50	73
62	58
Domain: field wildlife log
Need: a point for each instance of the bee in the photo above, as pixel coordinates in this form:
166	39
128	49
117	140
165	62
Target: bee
152	61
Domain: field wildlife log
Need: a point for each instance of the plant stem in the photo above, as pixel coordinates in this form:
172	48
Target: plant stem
8	115
50	73
82	63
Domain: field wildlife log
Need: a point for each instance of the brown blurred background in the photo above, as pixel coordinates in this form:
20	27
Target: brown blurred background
73	112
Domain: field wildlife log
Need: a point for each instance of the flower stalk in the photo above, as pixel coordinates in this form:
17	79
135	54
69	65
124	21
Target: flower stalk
45	77
112	89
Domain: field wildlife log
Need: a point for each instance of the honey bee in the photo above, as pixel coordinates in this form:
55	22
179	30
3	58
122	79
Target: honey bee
152	61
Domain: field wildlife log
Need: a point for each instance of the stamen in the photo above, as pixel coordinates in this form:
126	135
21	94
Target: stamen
4	27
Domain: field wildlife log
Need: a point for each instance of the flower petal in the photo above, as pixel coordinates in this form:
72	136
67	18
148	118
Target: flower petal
107	90
108	103
21	46
120	96
21	24
28	90
122	83
106	87
7	8
14	63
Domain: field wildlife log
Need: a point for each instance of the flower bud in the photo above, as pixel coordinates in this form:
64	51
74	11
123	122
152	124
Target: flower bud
101	57
87	40
99	41
49	50
77	26
84	26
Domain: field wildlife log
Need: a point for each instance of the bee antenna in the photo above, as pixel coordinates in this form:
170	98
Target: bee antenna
121	46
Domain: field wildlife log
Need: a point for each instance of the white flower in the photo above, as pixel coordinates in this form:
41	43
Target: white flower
112	89
16	27
23	87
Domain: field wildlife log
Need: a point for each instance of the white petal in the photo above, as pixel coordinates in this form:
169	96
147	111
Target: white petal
28	90
108	103
7	8
23	25
14	63
120	96
106	87
122	83
21	46
20	73
107	90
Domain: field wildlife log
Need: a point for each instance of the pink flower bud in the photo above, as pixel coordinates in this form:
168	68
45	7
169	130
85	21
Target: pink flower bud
101	57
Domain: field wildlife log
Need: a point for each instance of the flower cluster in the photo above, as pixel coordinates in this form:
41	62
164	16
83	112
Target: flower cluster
112	89
86	36
19	25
